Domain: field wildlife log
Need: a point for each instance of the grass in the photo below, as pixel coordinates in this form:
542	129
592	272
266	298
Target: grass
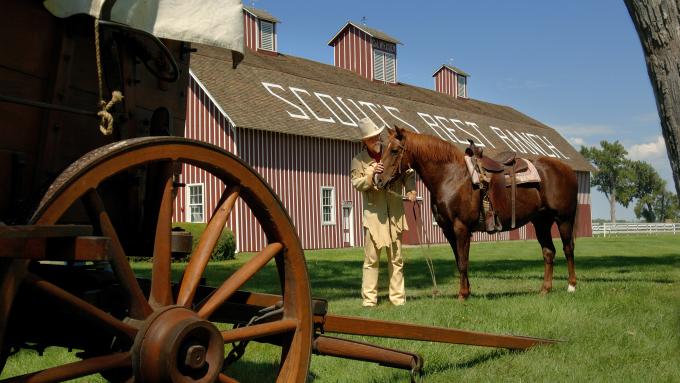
622	324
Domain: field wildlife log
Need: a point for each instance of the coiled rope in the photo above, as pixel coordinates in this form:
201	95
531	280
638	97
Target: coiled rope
105	117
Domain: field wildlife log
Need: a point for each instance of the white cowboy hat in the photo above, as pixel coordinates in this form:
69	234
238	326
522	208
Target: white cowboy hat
368	128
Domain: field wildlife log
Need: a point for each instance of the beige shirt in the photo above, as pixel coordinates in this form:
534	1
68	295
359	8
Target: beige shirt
383	209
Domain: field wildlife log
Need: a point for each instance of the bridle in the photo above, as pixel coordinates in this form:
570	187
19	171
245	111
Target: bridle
402	150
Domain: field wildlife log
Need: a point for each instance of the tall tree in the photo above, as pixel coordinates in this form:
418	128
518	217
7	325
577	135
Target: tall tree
613	177
658	25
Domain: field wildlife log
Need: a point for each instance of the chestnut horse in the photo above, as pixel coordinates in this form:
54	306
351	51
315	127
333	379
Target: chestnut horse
456	203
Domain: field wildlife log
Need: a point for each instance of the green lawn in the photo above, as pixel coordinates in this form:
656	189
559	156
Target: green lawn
621	325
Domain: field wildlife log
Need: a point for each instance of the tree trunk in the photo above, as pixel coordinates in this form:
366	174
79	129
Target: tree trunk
612	206
658	25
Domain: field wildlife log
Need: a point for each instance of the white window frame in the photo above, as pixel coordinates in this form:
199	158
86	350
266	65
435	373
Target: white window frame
273	34
332	206
188	215
458	89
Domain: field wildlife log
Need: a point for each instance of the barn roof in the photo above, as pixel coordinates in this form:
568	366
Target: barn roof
259	13
297	96
371	31
451	68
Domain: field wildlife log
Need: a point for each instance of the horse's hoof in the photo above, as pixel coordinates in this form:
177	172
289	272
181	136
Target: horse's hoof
462	298
571	289
544	291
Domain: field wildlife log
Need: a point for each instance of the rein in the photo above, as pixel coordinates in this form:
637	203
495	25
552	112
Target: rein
428	260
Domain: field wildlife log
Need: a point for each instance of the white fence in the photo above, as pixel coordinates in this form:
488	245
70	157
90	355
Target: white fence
608	229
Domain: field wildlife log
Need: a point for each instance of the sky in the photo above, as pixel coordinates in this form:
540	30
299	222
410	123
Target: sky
574	65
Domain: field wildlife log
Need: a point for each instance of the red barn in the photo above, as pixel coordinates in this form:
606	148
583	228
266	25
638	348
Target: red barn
294	121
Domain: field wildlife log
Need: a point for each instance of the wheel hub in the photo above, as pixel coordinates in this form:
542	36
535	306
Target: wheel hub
175	345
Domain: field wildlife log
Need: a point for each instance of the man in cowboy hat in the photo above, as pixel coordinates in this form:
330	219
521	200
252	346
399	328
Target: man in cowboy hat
383	216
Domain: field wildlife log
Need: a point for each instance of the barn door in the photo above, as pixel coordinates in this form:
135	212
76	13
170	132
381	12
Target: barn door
347	225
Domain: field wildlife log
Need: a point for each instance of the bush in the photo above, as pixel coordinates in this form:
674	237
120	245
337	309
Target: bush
225	247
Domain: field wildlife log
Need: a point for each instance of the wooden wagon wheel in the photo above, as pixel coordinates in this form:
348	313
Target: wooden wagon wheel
170	335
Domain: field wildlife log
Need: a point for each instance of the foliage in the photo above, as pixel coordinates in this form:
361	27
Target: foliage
613	177
658	207
654	203
644	179
225	247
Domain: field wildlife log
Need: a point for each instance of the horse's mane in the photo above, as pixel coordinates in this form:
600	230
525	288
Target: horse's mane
432	149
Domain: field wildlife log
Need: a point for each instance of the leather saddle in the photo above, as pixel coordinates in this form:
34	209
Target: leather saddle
498	172
505	162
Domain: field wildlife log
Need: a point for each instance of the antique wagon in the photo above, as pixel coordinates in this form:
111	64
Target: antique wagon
75	204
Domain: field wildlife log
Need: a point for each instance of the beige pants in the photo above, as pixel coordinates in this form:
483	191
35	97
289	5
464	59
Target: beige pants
395	265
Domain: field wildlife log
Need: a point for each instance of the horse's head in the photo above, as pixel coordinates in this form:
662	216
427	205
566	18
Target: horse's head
395	158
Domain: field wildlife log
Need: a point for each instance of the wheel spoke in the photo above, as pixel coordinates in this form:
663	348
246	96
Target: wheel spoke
237	279
161	292
76	369
222	378
82	307
139	307
206	245
259	330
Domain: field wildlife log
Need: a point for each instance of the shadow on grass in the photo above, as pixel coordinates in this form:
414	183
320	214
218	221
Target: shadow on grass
249	371
467	364
341	279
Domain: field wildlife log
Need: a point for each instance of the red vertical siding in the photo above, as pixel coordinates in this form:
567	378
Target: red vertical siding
296	168
250	31
204	122
446	81
353	51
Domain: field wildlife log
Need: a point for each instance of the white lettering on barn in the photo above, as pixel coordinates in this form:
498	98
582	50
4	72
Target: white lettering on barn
269	87
458	124
359	109
348	109
347	122
296	92
373	108
447	128
389	110
431	123
472	124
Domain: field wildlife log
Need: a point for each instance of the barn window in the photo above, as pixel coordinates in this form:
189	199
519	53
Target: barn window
195	203
378	65
462	86
384	66
327	205
390	68
266	35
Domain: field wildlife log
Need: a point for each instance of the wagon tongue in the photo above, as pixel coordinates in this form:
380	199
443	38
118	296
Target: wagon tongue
389	329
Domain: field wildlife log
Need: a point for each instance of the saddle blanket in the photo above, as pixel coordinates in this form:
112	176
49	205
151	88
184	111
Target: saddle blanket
529	175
